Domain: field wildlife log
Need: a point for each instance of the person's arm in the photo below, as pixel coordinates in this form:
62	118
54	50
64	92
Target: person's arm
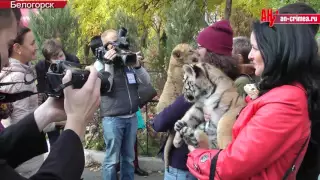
65	160
22	141
142	75
240	82
166	119
72	58
270	133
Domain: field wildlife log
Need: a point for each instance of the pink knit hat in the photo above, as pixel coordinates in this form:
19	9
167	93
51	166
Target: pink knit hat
217	38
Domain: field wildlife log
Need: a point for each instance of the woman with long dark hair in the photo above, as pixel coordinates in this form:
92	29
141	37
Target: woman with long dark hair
272	133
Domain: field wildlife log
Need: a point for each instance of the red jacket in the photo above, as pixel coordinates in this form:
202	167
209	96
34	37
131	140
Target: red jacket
267	136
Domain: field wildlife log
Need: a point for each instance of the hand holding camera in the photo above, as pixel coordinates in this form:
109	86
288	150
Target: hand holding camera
81	104
110	55
118	54
78	105
79	77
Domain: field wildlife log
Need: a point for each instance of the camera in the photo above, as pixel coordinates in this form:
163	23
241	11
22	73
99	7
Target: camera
124	55
57	71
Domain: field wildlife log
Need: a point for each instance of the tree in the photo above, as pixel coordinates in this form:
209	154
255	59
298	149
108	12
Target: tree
184	20
241	22
92	16
55	23
227	10
121	19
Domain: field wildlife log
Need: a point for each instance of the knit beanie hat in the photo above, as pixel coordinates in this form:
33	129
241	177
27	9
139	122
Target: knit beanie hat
217	38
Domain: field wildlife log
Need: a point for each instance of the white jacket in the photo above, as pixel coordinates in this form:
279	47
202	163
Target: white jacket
18	72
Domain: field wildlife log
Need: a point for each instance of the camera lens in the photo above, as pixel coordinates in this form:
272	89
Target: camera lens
54	68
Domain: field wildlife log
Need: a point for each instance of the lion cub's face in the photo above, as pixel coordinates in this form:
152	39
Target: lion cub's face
185	54
200	81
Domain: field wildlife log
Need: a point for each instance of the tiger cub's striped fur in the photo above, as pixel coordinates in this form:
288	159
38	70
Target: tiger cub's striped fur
212	92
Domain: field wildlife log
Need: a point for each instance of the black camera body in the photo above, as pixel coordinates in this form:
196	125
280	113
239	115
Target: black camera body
124	55
58	70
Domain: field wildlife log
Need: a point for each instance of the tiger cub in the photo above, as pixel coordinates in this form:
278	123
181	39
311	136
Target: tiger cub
212	92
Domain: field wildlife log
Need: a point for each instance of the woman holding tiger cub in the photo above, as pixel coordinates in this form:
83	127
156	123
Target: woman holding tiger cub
215	47
272	133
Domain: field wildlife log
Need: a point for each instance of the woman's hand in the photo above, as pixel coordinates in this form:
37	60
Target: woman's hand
191	148
81	104
110	54
52	110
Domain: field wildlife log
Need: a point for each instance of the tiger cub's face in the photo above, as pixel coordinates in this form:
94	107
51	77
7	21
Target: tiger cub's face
199	81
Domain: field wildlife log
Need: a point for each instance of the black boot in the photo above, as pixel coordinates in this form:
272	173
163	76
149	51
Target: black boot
140	172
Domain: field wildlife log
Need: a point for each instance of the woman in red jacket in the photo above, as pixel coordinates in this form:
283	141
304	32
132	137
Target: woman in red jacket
271	134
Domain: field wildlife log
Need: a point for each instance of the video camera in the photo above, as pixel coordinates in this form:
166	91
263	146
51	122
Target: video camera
127	57
58	69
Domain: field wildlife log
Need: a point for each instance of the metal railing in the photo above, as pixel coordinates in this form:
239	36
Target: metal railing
147	129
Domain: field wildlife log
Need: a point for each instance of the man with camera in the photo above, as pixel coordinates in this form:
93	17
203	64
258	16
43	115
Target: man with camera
119	106
25	139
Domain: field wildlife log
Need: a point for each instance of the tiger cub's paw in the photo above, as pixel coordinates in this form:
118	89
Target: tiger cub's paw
179	125
251	90
177	141
188	136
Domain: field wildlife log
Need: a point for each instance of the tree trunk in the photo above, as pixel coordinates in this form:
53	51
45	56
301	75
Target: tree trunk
144	38
227	10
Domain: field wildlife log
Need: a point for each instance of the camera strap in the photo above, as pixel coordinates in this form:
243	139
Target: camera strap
62	86
9	98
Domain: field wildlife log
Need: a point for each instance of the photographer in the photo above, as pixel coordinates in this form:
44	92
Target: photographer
118	107
52	51
25	139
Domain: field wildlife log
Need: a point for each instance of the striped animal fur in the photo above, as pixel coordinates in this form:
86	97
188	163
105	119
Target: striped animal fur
213	92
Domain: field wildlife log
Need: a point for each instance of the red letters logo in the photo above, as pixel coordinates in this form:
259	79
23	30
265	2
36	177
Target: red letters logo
267	15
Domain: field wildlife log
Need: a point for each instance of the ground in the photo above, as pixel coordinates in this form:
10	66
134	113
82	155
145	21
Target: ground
91	175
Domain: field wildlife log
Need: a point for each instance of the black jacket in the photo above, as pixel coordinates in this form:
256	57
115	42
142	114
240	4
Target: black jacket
22	141
123	98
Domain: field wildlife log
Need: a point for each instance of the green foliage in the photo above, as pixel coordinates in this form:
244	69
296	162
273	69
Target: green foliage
92	15
55	23
241	22
121	19
152	57
184	20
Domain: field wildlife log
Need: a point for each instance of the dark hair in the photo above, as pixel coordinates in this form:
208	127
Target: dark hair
242	45
228	64
19	39
51	47
288	60
300	8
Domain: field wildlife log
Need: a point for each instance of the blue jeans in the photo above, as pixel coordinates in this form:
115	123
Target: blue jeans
119	136
178	174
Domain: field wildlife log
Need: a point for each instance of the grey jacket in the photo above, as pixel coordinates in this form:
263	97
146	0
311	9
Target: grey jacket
123	99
